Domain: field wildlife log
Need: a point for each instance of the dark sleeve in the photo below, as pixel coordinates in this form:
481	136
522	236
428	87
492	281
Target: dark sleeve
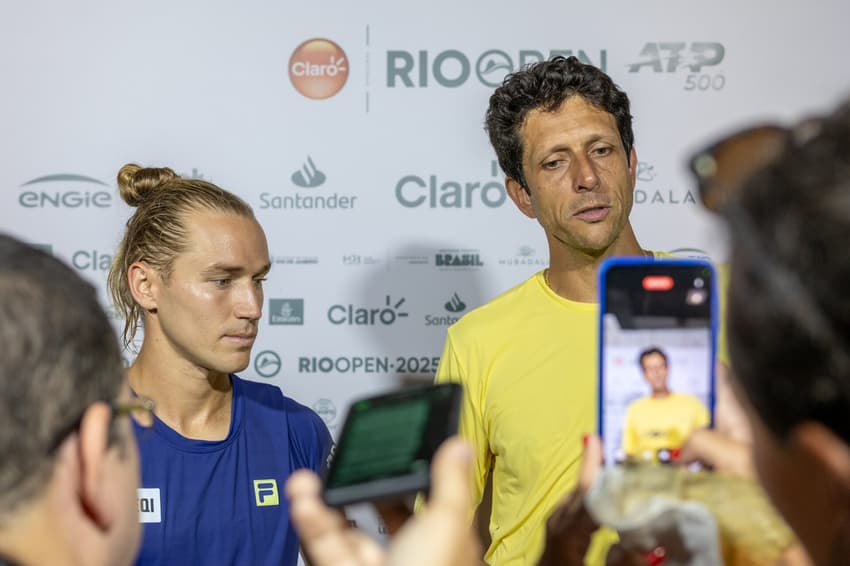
309	439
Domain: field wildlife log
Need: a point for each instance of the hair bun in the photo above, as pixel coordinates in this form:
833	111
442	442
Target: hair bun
135	183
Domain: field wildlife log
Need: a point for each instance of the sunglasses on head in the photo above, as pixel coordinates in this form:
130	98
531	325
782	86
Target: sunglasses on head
725	166
722	171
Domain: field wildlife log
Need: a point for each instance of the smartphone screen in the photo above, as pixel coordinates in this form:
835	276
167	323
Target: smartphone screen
387	443
657	350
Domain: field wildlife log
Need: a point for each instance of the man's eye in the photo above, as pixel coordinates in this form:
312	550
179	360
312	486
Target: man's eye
259	282
222	282
600	151
553	164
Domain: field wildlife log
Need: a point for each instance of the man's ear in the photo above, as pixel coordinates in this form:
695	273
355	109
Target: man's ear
93	452
142	280
520	196
827	449
633	163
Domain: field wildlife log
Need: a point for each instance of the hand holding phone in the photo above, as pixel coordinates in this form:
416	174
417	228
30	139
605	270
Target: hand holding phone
657	348
387	444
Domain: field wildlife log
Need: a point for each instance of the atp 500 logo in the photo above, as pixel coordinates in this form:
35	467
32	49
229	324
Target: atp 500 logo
700	60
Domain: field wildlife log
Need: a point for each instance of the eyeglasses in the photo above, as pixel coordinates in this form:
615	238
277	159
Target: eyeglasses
140	408
723	170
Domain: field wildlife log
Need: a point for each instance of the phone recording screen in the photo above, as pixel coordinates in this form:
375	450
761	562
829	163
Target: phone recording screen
657	336
393	435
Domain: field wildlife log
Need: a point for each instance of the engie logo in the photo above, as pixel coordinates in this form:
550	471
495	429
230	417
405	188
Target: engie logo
286	311
452	68
318	68
365	316
700	59
265	493
65	191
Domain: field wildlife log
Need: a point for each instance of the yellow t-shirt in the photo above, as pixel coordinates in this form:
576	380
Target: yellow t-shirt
653	423
527	361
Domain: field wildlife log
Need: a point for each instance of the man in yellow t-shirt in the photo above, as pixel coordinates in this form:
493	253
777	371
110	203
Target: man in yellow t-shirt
662	420
527	360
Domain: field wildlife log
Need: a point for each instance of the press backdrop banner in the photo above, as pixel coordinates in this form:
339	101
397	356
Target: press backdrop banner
355	132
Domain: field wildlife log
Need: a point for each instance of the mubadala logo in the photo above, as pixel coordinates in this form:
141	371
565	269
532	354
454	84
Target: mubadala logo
458	259
452	68
309	176
525	255
65	190
267	364
454	305
286	311
431	191
646	174
367	316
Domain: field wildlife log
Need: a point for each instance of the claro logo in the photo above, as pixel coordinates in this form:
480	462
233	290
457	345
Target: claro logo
318	68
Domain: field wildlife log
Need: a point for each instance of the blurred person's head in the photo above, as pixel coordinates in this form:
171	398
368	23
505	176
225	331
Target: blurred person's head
789	319
69	466
653	363
189	269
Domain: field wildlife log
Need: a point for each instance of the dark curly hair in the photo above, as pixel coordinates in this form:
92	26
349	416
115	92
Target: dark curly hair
791	266
546	85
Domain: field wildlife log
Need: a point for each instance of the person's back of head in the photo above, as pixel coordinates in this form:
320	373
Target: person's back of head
60	359
789	328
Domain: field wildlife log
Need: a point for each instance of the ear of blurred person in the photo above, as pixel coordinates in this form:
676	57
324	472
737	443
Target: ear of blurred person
69	471
439	535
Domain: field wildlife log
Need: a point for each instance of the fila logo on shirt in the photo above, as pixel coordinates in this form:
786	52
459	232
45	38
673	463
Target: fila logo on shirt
150	509
265	493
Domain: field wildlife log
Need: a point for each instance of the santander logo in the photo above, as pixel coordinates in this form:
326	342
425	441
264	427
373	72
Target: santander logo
318	68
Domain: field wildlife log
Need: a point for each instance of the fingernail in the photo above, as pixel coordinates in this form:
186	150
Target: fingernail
675	454
584	439
656	556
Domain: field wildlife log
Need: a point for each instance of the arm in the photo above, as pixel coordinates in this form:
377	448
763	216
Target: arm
472	426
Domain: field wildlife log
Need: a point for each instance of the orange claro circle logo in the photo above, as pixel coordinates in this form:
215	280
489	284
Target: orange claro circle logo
318	68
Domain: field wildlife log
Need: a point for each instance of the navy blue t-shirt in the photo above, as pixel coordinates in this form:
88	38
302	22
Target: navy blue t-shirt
222	502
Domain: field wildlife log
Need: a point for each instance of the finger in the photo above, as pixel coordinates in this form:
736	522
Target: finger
394	515
591	461
718	451
323	531
450	478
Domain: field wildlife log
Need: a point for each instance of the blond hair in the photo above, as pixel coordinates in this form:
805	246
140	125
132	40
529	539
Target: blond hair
156	232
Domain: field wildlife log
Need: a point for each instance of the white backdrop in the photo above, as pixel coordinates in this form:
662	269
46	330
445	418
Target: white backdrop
205	87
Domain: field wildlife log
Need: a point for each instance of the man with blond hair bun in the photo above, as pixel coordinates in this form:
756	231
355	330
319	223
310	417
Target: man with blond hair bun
190	271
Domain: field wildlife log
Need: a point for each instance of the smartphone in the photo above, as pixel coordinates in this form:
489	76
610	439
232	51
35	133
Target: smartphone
657	340
387	443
